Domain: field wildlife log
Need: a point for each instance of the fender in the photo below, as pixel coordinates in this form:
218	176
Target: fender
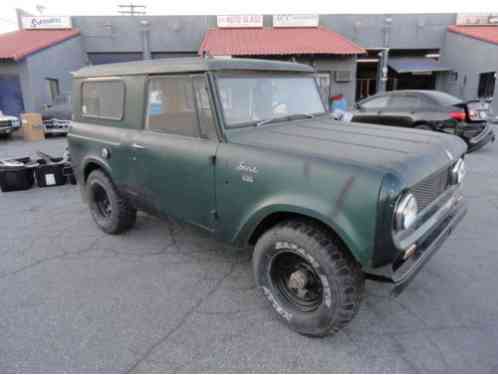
102	163
340	224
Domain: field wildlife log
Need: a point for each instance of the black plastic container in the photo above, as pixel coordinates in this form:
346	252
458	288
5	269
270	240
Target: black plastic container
16	174
50	173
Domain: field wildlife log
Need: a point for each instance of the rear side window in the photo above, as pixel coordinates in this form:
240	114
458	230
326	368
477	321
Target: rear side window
171	106
103	99
404	101
375	103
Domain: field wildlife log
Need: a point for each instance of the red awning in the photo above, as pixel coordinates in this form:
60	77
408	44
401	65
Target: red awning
18	44
485	33
277	41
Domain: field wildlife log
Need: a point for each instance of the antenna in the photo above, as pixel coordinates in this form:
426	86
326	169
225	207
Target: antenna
132	9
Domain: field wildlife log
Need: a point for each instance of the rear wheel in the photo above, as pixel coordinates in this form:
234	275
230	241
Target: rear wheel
314	286
111	212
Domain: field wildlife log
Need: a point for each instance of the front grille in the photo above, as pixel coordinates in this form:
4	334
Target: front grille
427	190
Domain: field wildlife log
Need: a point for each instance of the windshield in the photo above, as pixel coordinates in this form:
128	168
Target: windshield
247	100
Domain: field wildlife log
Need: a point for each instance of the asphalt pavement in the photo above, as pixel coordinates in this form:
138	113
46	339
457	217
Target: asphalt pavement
166	297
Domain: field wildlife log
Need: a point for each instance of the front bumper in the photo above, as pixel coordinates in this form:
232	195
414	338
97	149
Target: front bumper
56	126
481	139
402	271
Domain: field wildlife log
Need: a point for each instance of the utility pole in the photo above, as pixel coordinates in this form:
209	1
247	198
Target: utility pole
132	9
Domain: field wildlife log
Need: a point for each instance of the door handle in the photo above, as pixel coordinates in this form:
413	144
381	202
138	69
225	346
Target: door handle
138	146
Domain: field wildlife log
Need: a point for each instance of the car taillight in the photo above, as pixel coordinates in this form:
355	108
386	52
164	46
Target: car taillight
458	116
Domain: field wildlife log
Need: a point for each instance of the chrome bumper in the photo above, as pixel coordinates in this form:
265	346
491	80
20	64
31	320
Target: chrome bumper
427	239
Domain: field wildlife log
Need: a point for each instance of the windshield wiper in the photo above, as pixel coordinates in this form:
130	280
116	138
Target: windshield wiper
284	118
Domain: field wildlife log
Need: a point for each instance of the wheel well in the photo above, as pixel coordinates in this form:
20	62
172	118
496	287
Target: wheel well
279	217
89	168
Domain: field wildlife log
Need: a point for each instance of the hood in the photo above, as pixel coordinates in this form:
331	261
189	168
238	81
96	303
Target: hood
410	154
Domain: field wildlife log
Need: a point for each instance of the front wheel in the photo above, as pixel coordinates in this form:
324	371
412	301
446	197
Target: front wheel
111	212
314	286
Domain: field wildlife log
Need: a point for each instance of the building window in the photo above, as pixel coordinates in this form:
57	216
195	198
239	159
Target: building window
486	85
53	88
103	99
170	107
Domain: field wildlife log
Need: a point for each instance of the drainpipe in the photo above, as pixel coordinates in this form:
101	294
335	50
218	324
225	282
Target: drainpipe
382	70
146	54
384	57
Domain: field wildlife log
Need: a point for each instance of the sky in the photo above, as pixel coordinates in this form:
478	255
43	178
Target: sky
181	7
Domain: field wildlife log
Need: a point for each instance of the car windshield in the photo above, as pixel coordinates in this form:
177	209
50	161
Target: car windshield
256	99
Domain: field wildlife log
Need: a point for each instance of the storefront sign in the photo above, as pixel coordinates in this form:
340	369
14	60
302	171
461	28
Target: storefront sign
246	20
46	22
477	19
295	20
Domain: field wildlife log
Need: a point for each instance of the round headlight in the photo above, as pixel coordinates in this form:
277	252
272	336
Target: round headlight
458	172
406	211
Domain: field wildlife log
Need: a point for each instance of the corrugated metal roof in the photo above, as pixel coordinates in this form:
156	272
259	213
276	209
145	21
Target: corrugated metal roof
485	33
416	65
277	41
18	44
188	64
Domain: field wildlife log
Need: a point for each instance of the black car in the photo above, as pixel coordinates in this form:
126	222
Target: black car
57	116
429	110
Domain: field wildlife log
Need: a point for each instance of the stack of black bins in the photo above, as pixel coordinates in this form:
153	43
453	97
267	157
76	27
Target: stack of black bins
17	174
20	174
53	171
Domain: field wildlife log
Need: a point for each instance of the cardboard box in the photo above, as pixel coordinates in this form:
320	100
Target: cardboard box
32	127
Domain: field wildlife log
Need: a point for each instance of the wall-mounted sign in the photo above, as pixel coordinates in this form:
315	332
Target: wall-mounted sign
243	20
46	22
477	19
295	20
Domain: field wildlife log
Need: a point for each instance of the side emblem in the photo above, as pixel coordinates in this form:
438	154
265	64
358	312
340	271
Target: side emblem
248	172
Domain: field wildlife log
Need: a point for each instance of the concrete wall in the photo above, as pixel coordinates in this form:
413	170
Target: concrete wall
405	31
56	62
333	64
468	57
124	33
185	33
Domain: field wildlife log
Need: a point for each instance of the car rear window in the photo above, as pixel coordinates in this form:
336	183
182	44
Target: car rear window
103	99
379	102
445	99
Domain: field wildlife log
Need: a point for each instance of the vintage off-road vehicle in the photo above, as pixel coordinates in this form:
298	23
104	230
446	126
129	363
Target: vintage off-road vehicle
246	150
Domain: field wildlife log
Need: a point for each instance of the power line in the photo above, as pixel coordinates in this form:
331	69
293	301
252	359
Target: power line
132	9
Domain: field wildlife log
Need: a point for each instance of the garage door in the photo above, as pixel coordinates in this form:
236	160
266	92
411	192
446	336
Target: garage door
11	102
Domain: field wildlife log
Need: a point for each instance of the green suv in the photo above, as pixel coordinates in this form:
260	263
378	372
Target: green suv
246	150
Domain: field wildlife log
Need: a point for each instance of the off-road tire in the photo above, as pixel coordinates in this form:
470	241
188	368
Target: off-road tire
340	275
122	216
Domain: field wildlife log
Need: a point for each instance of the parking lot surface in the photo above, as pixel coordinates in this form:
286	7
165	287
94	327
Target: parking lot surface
166	297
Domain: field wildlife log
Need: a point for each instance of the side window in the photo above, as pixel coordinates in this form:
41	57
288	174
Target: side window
103	99
376	103
404	101
171	107
206	120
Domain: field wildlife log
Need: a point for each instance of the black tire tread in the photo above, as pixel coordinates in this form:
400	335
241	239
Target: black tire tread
346	267
127	214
